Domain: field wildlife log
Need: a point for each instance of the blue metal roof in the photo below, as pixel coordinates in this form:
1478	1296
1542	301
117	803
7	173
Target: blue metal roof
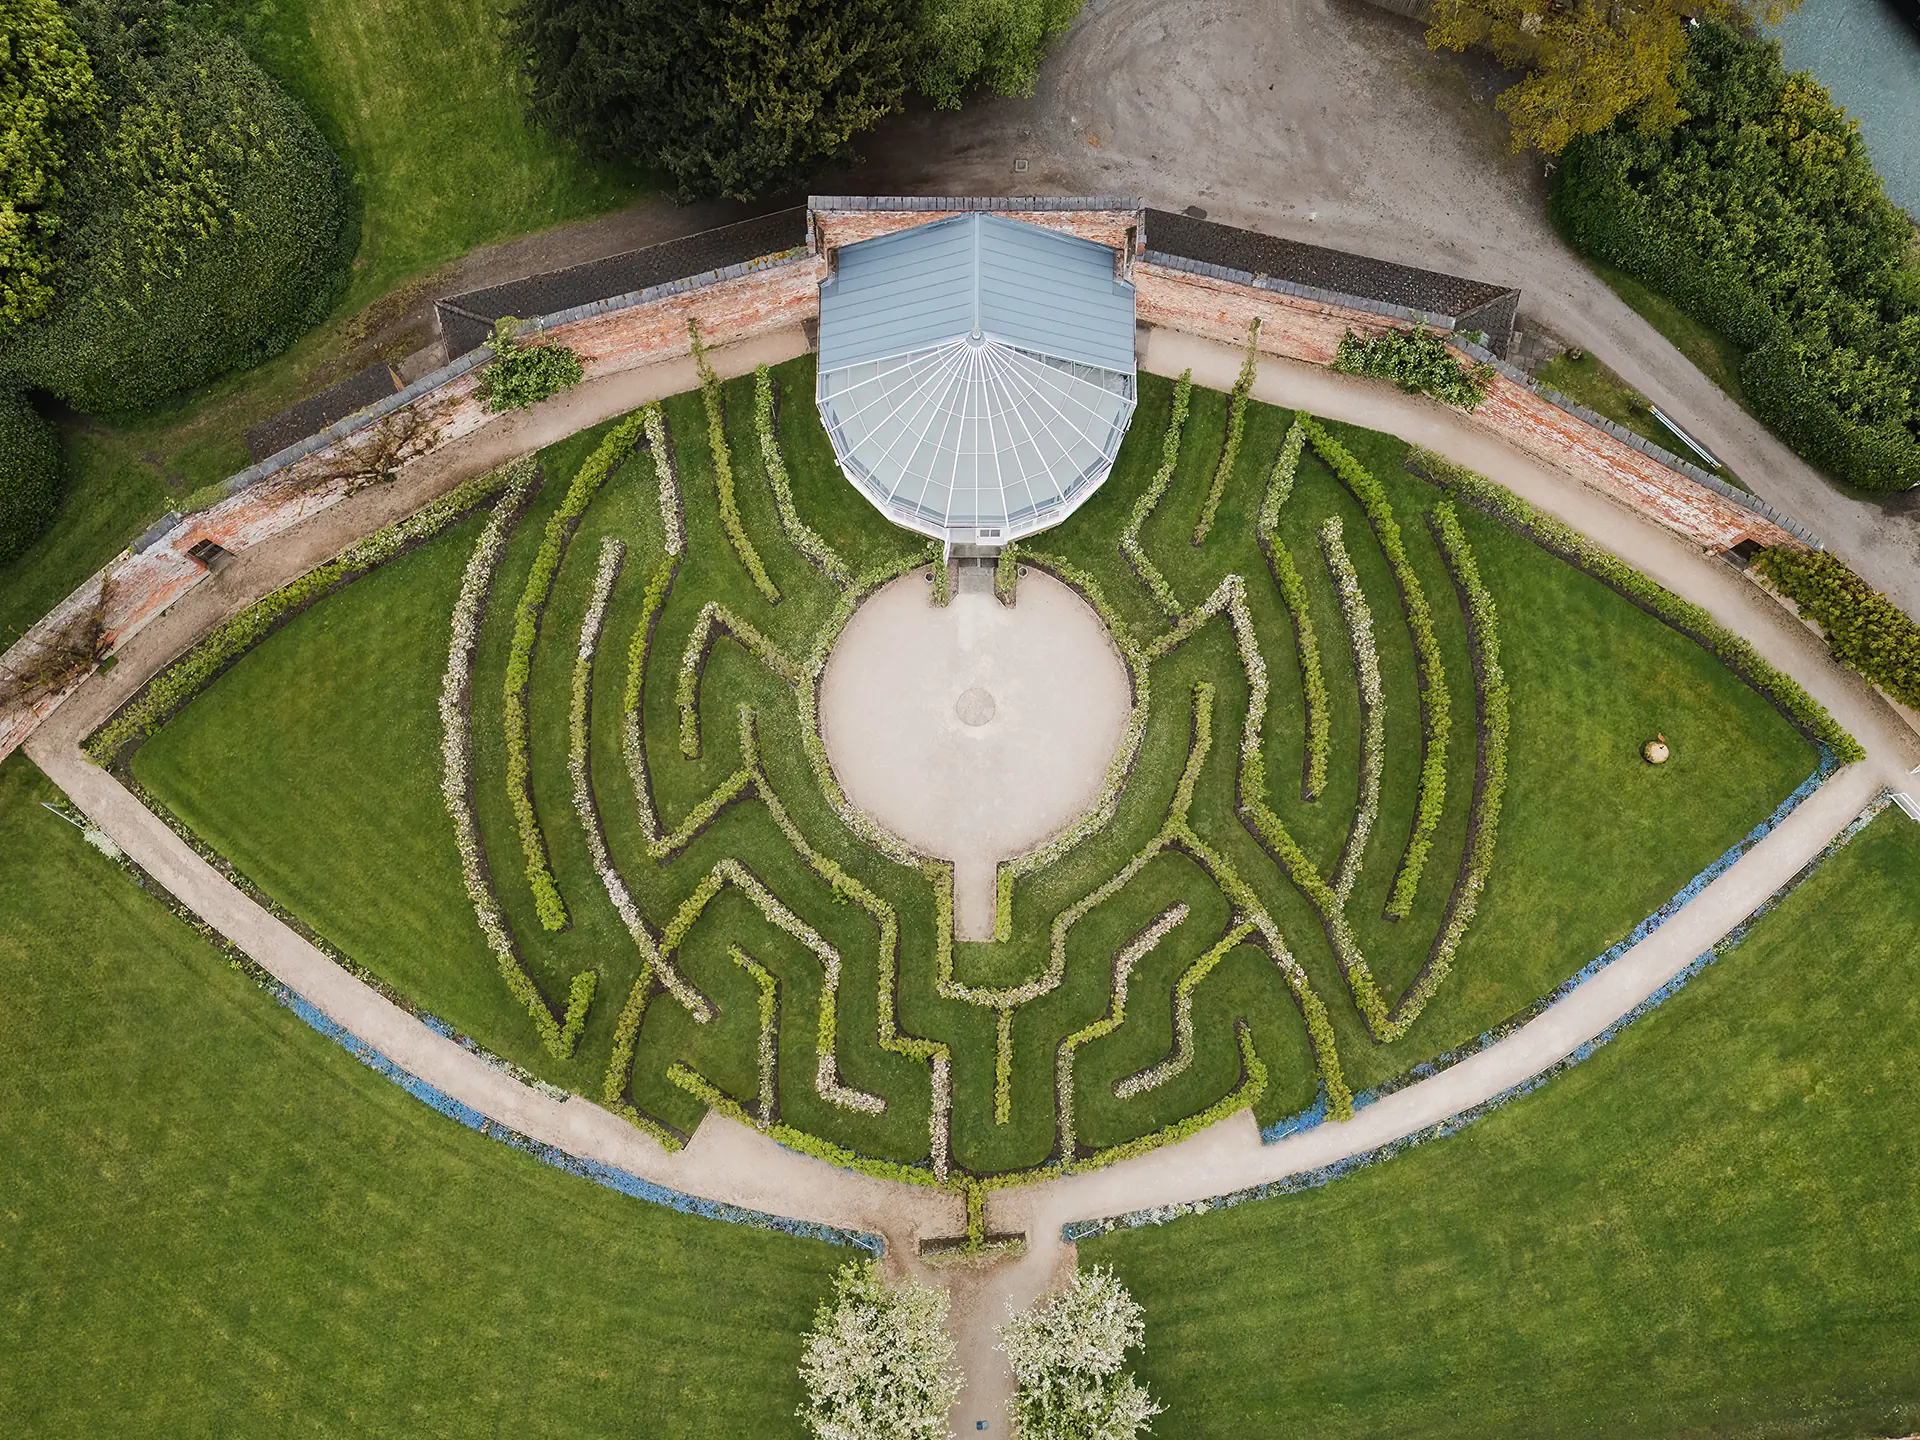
976	374
1026	286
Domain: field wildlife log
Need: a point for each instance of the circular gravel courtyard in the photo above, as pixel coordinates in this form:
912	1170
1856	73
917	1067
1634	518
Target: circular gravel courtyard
976	731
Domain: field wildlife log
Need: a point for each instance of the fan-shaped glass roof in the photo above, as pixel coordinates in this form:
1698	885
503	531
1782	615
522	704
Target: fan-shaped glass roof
976	374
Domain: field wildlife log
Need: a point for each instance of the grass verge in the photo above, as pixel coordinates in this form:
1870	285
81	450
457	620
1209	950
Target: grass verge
217	1220
1697	1231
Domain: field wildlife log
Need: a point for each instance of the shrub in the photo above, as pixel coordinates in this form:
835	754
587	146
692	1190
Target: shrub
1418	361
1066	1352
46	88
1762	217
520	375
985	44
204	225
1866	631
878	1363
731	99
29	474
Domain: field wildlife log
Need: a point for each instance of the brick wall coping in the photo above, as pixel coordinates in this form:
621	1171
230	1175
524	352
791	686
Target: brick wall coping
940	203
1640	442
1304	292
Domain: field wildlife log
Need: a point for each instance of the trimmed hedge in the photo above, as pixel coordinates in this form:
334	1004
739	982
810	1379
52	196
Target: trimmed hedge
1785	693
206	223
587	480
1236	431
30	473
715	403
1435	701
1866	631
1148	572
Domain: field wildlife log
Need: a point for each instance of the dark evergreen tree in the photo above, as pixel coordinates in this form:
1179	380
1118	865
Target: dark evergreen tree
727	99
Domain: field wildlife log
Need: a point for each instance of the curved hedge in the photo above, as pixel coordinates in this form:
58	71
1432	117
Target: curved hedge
29	474
206	225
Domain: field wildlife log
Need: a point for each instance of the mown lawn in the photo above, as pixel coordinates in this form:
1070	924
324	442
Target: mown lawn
217	1222
1710	1228
314	766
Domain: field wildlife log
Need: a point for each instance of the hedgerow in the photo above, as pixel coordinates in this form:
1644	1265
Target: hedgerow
1436	719
1762	217
1866	631
1293	594
1236	429
1148	572
587	480
715	403
560	1034
30	471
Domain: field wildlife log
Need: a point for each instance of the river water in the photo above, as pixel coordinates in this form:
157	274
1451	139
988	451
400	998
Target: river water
1869	59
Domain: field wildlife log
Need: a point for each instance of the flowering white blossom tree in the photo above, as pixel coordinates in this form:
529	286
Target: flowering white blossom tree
1066	1352
878	1363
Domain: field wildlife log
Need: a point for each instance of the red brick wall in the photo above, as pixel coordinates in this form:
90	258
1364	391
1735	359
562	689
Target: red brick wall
832	228
1310	330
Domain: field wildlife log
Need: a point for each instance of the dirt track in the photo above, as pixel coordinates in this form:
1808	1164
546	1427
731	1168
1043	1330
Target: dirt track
1322	120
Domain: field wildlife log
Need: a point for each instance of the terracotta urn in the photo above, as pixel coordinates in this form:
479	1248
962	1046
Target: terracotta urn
1655	750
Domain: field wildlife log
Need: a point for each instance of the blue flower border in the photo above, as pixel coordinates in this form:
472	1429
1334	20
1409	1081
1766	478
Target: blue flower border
1077	1230
600	1173
1316	1113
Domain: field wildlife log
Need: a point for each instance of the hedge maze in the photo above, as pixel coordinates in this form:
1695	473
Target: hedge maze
1275	883
693	749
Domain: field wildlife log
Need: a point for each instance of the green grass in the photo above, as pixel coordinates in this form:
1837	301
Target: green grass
421	100
1707	1229
1598	388
1592	841
108	498
218	1222
1712	354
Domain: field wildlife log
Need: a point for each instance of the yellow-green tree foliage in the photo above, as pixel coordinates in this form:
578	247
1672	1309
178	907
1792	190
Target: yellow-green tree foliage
1589	62
46	83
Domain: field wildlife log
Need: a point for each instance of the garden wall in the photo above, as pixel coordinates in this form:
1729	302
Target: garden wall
768	293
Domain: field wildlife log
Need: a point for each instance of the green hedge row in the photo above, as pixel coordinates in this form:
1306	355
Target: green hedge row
1148	572
592	474
723	470
1236	431
1785	693
1293	593
1435	701
1866	631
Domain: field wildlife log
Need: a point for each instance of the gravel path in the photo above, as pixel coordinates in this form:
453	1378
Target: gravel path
729	1162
